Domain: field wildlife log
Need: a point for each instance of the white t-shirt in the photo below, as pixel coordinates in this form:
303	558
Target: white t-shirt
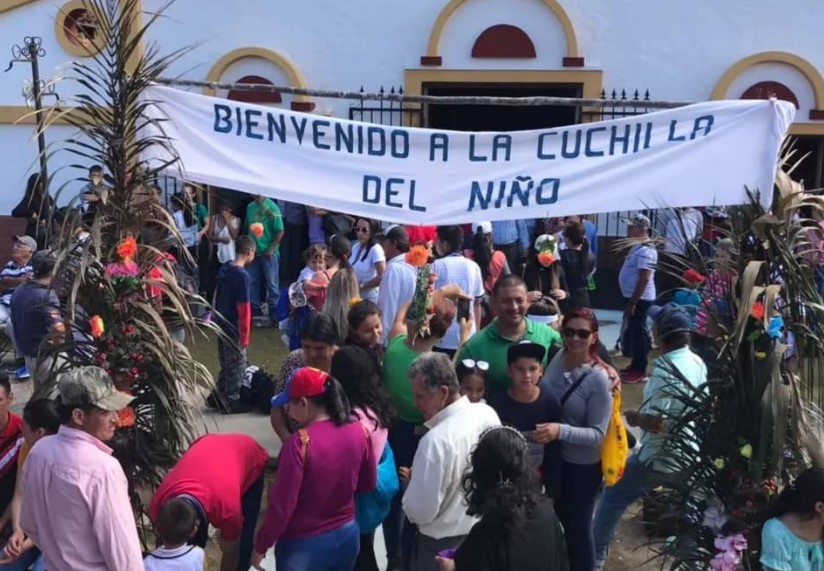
183	558
226	252
189	233
365	268
455	269
687	227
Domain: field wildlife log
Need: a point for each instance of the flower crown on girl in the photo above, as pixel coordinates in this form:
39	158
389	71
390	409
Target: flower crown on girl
547	247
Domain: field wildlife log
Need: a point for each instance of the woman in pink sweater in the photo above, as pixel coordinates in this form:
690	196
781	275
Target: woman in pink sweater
311	511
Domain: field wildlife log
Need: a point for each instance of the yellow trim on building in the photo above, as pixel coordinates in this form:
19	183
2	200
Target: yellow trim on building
416	80
70	47
9	5
434	44
291	70
808	129
808	70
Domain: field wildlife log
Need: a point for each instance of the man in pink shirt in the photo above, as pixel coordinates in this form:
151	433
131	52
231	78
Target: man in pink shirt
76	502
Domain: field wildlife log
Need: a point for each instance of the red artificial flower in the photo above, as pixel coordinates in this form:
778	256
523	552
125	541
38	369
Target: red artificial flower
546	259
126	418
256	228
97	327
417	256
127	249
758	310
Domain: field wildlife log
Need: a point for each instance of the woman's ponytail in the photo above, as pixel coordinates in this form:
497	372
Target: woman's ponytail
336	403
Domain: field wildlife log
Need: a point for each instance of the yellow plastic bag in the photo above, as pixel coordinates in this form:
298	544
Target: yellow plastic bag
615	448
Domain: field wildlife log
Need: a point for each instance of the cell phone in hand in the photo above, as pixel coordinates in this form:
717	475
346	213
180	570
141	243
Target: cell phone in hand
447	553
463	309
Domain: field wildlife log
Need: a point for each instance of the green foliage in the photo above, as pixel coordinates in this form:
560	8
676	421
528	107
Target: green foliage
138	309
756	421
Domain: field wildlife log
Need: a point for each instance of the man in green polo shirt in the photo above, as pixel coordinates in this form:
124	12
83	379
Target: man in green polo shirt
267	236
509	300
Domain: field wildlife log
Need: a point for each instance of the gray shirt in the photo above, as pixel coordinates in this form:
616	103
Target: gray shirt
586	413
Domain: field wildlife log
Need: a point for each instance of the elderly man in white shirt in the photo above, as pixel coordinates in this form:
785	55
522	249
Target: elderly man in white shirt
399	278
434	499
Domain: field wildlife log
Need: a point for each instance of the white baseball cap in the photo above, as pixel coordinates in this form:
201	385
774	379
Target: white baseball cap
485	227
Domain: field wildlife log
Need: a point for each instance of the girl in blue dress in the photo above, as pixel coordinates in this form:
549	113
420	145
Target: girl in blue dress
791	539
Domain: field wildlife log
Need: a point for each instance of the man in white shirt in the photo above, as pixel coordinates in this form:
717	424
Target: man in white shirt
434	499
452	268
399	278
684	226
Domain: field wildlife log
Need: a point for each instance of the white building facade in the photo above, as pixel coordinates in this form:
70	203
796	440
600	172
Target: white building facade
690	51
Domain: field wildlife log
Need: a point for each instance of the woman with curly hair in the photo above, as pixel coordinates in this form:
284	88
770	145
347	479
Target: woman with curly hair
518	528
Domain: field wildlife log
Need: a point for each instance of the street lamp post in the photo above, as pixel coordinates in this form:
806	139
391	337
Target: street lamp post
30	52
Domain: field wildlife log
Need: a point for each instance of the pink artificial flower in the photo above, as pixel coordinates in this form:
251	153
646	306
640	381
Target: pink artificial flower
127	269
723	543
739	542
725	561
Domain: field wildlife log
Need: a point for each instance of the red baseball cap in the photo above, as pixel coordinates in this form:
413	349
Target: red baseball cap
305	382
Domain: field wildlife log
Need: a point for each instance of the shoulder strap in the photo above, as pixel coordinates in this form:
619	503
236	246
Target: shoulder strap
572	389
304	443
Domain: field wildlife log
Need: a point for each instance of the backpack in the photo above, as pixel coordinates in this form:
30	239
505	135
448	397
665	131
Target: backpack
371	508
257	389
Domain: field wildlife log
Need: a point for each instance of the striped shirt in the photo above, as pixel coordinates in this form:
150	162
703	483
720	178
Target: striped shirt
455	269
11	441
12	270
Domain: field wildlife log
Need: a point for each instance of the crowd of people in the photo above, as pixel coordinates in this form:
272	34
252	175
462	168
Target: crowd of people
446	383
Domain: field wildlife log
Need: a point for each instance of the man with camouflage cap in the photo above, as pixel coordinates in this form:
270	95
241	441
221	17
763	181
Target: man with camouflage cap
637	284
76	507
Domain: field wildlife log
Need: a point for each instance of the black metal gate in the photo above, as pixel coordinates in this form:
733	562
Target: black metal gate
391	113
623	104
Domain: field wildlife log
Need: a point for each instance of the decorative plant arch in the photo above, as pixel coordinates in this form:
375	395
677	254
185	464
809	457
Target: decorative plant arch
433	58
296	79
808	70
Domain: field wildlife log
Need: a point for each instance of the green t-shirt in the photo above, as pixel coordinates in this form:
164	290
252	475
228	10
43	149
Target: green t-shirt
201	214
488	345
396	360
269	215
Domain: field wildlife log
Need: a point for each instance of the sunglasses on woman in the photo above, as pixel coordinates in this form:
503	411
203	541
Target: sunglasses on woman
579	333
472	363
362	230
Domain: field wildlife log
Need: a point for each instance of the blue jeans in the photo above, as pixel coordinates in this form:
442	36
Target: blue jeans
638	337
263	271
398	534
31	558
334	550
580	486
638	480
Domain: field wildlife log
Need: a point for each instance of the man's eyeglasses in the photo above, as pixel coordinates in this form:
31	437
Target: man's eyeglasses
579	333
472	363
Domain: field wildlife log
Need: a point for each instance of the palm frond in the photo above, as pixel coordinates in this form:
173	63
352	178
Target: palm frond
759	417
137	346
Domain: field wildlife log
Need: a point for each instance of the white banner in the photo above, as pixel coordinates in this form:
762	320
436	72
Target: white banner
699	155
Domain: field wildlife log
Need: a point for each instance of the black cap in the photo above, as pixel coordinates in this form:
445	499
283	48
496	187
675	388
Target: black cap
525	349
43	263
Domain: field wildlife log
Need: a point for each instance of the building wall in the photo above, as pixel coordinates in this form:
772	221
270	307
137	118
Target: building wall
679	51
